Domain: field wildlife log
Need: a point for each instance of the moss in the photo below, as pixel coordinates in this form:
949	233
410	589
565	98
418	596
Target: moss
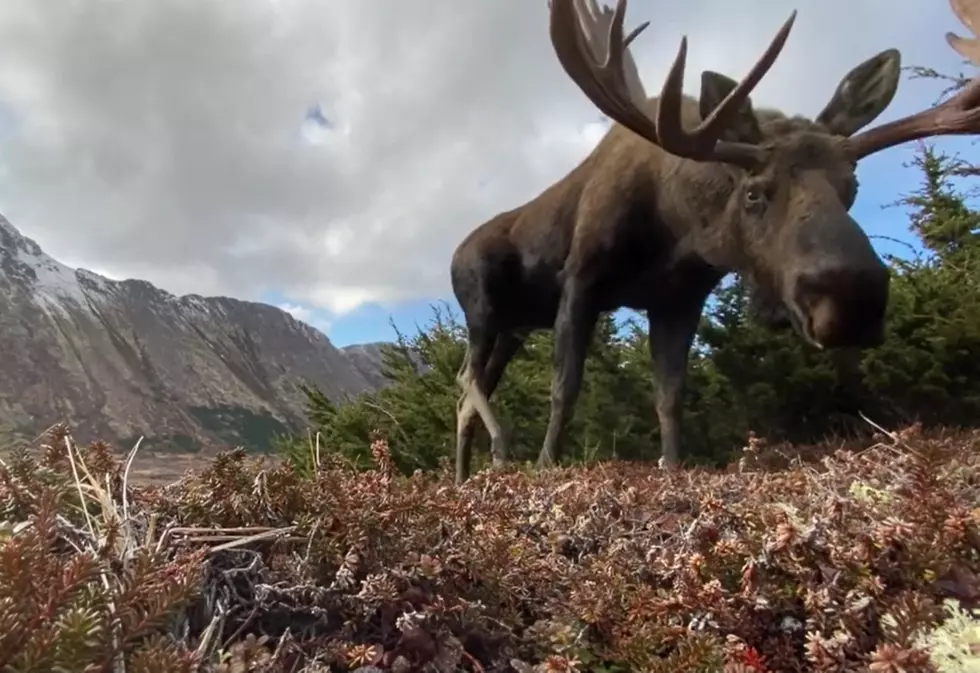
953	645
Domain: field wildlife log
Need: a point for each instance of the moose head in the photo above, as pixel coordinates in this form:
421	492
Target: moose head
785	226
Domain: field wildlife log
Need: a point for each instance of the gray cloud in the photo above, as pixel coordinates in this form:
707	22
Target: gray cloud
163	138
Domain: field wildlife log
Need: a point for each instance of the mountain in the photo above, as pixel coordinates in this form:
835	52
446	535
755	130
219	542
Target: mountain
120	359
367	359
369	362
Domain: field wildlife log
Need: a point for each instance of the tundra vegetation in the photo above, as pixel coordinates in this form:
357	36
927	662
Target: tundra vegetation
797	538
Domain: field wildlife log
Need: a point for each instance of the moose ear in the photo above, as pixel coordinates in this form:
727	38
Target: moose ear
863	94
714	88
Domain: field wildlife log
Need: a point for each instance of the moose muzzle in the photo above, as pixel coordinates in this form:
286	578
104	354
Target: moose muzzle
842	305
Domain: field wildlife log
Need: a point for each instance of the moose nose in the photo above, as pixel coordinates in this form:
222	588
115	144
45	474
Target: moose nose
844	306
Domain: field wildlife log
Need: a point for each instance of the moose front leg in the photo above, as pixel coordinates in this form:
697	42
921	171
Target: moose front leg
671	336
573	328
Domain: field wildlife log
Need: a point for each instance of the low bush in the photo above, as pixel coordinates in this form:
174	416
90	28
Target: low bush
829	560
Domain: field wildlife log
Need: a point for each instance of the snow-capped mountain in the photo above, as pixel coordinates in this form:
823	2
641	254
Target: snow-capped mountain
120	359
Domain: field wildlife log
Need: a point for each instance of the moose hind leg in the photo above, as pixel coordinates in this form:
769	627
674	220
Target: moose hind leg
474	399
504	350
465	419
670	338
573	328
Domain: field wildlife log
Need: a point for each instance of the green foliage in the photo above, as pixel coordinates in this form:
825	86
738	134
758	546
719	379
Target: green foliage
940	217
928	368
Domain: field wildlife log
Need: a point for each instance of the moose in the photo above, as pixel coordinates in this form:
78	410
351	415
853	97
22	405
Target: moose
679	193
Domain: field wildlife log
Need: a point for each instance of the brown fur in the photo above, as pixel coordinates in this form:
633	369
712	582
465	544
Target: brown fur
634	226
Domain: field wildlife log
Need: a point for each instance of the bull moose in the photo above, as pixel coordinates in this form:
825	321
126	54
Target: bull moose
679	193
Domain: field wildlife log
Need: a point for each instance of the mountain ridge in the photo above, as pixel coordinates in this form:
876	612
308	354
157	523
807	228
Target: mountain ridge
122	359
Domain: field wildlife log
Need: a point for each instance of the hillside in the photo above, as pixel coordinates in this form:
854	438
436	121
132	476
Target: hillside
122	359
366	359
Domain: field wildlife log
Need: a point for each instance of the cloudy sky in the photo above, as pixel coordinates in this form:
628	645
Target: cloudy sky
328	155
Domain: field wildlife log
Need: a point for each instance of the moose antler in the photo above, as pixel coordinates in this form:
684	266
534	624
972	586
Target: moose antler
967	11
958	115
595	23
605	85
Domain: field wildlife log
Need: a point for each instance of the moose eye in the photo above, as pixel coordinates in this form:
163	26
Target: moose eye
754	196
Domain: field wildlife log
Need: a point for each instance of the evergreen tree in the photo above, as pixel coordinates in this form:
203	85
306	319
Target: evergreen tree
929	367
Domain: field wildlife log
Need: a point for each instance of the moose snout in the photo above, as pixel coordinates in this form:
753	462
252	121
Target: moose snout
843	306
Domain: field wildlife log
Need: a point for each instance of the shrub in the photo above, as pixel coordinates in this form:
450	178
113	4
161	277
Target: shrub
835	562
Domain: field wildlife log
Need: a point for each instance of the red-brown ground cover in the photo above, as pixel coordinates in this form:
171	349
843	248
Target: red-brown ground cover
834	563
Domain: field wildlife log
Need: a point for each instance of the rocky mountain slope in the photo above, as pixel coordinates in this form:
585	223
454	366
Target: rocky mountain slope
122	359
367	359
